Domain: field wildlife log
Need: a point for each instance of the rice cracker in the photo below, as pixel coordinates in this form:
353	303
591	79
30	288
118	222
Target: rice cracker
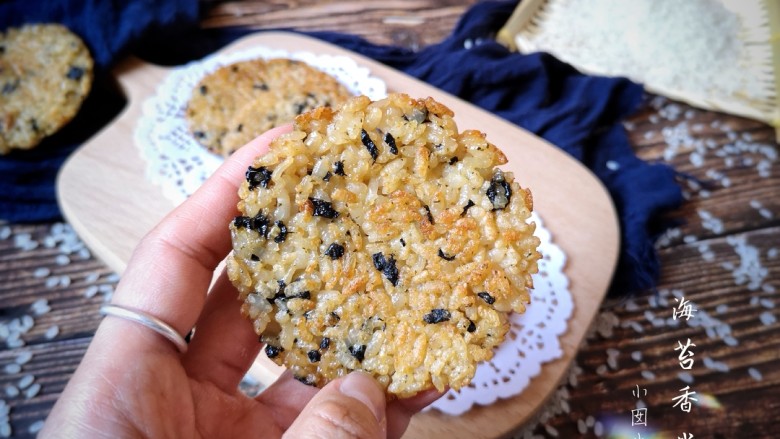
377	237
45	75
240	101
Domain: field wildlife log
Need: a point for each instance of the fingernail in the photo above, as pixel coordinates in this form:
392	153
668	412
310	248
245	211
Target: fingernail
365	389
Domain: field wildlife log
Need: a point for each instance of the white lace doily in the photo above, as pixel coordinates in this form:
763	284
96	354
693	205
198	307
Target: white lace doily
178	163
532	339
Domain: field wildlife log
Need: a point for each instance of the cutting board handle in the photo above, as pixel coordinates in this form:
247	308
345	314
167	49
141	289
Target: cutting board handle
136	77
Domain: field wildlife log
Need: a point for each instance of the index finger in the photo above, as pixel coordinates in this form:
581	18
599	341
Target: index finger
170	270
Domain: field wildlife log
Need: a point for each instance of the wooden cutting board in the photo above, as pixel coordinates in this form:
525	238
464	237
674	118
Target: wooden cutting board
106	197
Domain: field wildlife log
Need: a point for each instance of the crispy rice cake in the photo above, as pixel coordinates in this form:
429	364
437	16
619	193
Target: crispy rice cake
379	238
45	75
240	101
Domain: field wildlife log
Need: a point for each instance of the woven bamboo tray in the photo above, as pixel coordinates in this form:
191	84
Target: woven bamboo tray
759	35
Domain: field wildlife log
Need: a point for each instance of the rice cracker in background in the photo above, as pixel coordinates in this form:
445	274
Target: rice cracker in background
239	101
376	237
45	75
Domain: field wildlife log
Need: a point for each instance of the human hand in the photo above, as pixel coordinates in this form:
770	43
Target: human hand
133	382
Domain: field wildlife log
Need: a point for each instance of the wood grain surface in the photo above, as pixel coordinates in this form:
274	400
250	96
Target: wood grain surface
723	255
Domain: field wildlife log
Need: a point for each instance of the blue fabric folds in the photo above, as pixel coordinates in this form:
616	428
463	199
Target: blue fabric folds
579	113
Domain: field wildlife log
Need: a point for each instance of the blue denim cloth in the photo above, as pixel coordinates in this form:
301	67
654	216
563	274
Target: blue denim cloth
579	113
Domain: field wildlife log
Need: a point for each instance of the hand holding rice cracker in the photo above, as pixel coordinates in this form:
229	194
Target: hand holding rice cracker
144	380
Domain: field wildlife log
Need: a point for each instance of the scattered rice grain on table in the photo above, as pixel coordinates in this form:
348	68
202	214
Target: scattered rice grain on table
35	427
52	332
23	358
11	391
685	377
32	391
12	368
25	381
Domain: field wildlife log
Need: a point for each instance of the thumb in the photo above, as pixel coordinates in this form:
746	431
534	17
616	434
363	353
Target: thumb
352	406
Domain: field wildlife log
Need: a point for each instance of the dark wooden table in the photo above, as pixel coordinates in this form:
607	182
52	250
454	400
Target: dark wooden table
724	258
